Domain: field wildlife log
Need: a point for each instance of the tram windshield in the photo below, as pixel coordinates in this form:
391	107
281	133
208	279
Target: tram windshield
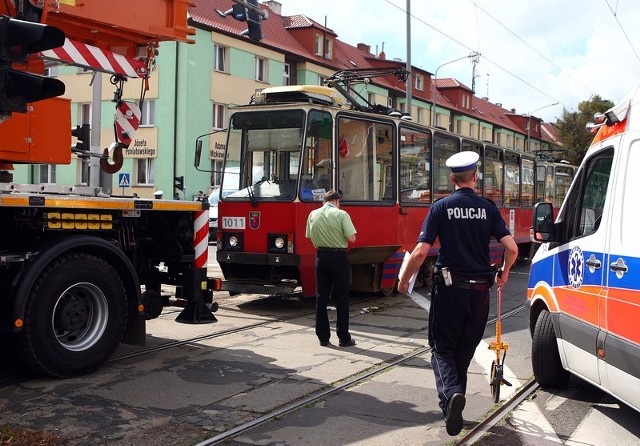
263	156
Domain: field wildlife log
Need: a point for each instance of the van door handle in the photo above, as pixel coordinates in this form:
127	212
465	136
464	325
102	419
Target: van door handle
619	267
594	263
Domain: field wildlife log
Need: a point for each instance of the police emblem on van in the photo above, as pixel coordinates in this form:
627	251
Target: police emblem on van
576	267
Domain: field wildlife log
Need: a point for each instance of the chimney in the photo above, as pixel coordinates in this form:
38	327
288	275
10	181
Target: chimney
364	47
276	7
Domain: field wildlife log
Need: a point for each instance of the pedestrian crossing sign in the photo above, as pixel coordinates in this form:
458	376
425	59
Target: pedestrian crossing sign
123	180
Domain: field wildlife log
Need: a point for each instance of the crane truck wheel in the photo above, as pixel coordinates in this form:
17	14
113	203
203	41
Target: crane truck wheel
75	317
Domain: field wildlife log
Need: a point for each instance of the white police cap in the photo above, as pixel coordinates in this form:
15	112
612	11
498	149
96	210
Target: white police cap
462	161
157	193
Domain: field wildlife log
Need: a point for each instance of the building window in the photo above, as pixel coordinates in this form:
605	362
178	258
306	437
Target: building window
220	58
328	49
83	174
148	118
420	115
216	172
85	114
286	74
46	173
219	116
419	82
261	69
483	134
318	49
472	130
321	80
51	71
459	127
144	168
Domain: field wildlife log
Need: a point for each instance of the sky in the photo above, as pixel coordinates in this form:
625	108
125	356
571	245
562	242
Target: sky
532	53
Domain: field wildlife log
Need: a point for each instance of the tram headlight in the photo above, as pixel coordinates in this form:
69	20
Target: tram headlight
277	243
232	241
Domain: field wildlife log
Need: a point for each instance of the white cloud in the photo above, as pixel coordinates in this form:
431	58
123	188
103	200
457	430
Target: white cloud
549	52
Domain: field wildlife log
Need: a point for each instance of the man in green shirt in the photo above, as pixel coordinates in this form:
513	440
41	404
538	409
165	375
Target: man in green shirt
331	230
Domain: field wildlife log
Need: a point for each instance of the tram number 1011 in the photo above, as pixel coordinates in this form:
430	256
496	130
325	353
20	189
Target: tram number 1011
233	223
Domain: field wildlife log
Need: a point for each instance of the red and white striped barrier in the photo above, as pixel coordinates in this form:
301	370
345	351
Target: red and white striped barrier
201	239
94	58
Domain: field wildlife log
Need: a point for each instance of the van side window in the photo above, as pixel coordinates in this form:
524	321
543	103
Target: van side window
589	198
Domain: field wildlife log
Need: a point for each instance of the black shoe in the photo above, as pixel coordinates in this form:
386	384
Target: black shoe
324	343
454	420
349	343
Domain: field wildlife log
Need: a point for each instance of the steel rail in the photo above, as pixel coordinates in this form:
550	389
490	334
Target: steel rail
339	387
498	414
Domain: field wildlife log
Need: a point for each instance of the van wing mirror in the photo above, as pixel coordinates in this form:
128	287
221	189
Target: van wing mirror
542	228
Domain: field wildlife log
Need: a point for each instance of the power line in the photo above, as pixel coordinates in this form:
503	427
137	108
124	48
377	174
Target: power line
615	15
484	57
530	46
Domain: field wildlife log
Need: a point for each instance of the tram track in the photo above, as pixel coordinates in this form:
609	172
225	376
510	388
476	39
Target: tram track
496	415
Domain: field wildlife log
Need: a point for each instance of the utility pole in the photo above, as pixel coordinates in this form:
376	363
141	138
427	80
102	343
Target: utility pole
409	76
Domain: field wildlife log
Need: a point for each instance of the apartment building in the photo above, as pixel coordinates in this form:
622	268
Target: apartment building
194	87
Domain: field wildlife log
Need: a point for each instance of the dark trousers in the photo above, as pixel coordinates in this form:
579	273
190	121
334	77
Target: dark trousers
332	275
456	324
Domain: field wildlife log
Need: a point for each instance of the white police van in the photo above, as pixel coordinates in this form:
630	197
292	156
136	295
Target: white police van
584	285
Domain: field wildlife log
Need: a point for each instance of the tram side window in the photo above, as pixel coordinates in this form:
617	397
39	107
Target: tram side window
540	176
478	148
493	176
443	147
511	181
365	160
564	177
316	164
527	182
549	187
415	166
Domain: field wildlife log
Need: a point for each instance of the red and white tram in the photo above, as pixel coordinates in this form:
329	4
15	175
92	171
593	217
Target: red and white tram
290	146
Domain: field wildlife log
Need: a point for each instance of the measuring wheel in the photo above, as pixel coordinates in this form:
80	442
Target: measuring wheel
496	378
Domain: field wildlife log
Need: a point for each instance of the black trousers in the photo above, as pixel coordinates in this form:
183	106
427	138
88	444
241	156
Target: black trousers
332	275
456	324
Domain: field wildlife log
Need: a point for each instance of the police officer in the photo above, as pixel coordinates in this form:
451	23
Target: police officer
331	230
464	223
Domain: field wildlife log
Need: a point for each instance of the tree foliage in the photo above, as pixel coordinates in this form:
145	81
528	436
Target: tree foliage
573	133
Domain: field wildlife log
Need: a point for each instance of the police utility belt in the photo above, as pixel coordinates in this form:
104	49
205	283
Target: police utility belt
477	283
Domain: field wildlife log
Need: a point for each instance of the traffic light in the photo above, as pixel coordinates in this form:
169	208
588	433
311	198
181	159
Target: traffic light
83	134
179	182
251	15
18	39
254	21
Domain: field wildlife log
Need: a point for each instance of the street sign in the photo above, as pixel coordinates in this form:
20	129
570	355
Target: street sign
123	180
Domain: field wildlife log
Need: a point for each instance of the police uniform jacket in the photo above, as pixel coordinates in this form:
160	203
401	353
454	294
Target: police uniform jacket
464	223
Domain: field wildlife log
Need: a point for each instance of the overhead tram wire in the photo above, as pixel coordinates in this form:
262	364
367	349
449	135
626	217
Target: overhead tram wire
615	16
531	47
485	58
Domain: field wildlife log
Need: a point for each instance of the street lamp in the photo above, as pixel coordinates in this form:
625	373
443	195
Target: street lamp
435	78
529	124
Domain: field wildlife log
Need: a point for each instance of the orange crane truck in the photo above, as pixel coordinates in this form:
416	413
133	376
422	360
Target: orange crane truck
73	260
